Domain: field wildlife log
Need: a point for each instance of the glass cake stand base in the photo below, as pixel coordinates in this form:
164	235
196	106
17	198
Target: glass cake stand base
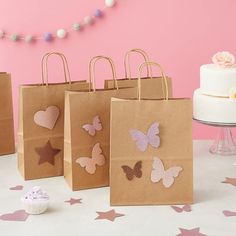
224	143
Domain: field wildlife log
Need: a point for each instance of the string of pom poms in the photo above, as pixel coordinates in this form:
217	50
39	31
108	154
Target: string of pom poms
60	33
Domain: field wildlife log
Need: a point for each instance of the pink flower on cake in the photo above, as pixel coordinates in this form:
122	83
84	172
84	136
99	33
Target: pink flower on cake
224	59
232	94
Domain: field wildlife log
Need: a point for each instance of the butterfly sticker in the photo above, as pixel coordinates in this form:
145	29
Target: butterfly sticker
96	126
142	140
167	176
90	163
135	172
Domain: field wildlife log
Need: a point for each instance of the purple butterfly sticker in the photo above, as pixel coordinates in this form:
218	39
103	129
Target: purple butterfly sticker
142	140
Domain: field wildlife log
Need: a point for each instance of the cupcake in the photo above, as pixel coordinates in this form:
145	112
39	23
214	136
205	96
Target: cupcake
35	201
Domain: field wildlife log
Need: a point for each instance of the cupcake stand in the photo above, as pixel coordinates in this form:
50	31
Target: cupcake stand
224	143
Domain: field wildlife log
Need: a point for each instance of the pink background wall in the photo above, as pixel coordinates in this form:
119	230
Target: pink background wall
179	34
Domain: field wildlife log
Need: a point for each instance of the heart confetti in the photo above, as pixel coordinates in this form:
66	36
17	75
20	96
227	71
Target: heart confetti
19	215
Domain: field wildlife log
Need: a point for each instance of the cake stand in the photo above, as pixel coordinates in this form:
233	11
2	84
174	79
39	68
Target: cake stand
224	143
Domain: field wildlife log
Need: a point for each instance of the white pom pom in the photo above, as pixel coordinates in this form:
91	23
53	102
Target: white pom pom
2	33
88	20
76	26
110	3
61	33
29	38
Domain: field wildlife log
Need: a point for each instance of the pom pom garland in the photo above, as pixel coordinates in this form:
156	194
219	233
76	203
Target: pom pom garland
60	33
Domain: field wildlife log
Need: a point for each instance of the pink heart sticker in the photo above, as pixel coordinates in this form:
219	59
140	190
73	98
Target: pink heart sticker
47	118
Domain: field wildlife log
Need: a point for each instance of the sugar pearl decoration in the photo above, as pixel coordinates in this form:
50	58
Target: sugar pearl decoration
14	37
88	20
77	26
47	37
2	33
98	13
61	33
110	3
29	38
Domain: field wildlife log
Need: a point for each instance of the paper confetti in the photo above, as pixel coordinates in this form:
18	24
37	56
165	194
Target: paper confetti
17	187
229	213
108	215
231	181
73	201
190	232
186	208
19	215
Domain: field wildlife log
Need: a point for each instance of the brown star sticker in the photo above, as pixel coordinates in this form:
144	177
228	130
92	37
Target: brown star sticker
73	201
230	181
190	232
47	153
108	215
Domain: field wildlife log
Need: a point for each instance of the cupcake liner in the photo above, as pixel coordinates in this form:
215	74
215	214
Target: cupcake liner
35	208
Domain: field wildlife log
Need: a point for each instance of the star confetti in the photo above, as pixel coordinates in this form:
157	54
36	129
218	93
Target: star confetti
17	187
47	153
108	215
185	208
73	201
229	213
190	232
230	181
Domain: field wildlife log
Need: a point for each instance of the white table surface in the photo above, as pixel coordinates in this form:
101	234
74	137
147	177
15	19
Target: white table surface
211	198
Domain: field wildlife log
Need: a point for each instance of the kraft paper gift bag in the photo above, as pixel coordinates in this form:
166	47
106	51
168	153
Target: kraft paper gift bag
151	150
7	142
41	124
151	86
87	132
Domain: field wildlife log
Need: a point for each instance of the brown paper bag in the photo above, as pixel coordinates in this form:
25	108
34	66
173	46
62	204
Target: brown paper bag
151	86
41	124
151	150
87	133
7	142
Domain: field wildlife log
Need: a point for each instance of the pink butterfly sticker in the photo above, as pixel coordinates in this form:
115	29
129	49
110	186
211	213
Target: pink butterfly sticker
142	140
167	176
90	163
186	208
92	128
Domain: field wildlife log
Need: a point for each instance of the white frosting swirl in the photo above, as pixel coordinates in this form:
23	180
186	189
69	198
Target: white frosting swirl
36	193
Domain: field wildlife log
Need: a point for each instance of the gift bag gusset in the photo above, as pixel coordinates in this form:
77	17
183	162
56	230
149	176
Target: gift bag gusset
151	150
87	132
7	142
151	85
41	123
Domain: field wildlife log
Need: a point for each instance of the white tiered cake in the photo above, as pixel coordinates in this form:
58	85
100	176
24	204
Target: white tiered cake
215	100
